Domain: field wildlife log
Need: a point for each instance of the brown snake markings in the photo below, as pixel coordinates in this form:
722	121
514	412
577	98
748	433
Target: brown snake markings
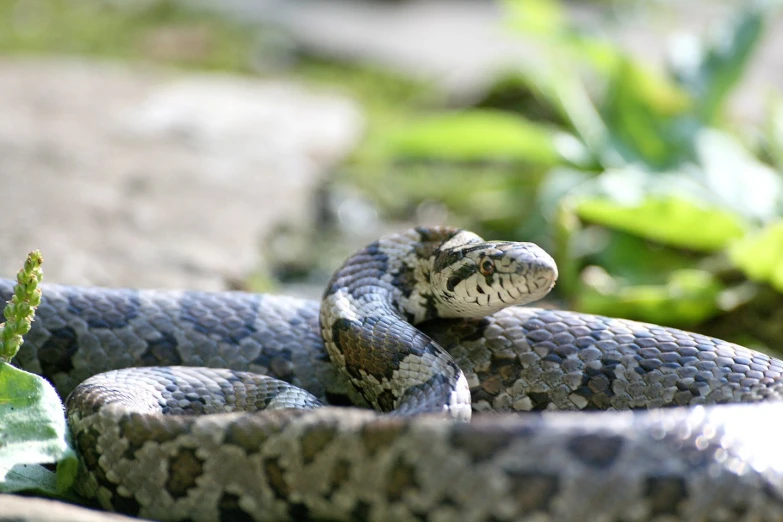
694	462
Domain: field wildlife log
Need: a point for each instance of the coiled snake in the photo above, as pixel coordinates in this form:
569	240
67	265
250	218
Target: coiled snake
147	451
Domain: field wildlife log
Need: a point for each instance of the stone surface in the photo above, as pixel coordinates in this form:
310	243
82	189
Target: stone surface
151	178
25	509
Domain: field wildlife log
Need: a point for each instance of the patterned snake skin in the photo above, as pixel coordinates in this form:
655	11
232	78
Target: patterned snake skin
693	457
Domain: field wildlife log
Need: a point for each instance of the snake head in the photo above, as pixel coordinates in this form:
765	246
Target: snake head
476	279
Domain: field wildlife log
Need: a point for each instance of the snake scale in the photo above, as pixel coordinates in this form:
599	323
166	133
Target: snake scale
402	321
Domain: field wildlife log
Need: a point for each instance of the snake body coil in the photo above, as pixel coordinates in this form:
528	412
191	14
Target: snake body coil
147	452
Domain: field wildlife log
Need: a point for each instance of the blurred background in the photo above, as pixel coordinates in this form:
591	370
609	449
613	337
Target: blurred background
255	144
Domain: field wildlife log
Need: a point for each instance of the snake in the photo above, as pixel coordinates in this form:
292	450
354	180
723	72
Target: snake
421	387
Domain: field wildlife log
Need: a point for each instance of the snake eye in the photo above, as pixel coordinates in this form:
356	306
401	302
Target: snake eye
487	266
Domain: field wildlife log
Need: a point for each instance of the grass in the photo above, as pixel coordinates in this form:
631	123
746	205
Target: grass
158	31
172	34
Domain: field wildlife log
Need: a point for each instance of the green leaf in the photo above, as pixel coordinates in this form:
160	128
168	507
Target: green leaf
555	187
649	88
688	297
744	184
710	74
773	129
644	111
560	85
537	17
760	256
670	220
29	477
32	431
670	208
631	259
476	135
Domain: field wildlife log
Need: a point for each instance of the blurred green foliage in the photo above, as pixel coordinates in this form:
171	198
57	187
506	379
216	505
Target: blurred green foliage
476	135
655	203
160	31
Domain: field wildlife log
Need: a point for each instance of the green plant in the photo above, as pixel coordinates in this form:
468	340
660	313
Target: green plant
160	31
631	175
33	430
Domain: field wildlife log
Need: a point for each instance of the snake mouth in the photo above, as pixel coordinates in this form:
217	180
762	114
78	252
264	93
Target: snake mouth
533	272
541	275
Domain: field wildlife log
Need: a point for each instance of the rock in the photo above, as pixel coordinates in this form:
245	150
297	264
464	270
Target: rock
134	176
25	509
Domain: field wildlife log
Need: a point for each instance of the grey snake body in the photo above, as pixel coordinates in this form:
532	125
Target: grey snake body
701	459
